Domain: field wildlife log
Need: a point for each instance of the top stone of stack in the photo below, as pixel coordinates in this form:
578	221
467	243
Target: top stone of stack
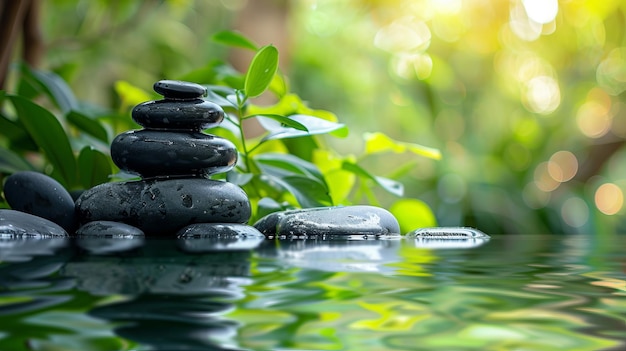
179	90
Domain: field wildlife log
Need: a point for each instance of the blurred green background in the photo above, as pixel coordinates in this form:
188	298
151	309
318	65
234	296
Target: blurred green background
523	98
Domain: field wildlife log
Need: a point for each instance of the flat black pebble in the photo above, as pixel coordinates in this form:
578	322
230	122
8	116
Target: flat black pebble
176	89
18	225
195	114
42	196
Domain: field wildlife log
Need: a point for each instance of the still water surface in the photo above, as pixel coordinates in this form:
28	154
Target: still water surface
510	293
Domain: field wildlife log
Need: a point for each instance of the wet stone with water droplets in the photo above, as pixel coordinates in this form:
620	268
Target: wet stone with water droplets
174	158
349	222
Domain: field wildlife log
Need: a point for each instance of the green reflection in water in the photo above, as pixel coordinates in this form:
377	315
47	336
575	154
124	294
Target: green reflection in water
512	294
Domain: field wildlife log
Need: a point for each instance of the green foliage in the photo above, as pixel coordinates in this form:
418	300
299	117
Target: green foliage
279	168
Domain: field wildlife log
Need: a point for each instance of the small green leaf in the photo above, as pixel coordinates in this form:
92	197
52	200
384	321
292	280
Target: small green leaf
284	121
413	214
261	71
313	125
87	125
130	95
94	167
233	38
49	135
379	142
389	185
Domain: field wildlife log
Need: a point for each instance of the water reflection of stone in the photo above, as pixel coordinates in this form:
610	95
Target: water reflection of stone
172	300
335	255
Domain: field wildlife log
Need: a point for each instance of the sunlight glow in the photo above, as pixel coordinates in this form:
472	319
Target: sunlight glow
542	95
407	34
541	11
609	198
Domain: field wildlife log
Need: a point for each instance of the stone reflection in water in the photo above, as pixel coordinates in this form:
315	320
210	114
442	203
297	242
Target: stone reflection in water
174	298
335	255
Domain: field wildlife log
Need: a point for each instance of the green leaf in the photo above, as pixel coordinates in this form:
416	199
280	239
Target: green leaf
308	192
49	135
286	165
313	125
268	205
17	134
233	38
284	121
87	125
379	142
131	95
261	71
389	185
239	178
10	162
54	86
412	214
94	167
291	104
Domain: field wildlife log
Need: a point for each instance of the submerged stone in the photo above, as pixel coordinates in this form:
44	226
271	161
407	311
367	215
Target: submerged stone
17	225
107	237
170	114
176	89
161	207
350	222
110	229
40	195
447	238
152	153
204	237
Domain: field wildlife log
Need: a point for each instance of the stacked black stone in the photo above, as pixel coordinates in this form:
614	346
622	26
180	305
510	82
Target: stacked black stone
174	159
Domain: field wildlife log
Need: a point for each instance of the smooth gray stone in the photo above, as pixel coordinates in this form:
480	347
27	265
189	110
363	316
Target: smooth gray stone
151	153
350	222
42	196
17	225
195	114
163	207
178	89
206	237
110	229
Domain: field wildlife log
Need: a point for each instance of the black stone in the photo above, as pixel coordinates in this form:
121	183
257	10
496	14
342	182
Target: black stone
350	222
42	196
206	237
169	114
17	225
176	89
163	207
152	153
109	229
106	237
